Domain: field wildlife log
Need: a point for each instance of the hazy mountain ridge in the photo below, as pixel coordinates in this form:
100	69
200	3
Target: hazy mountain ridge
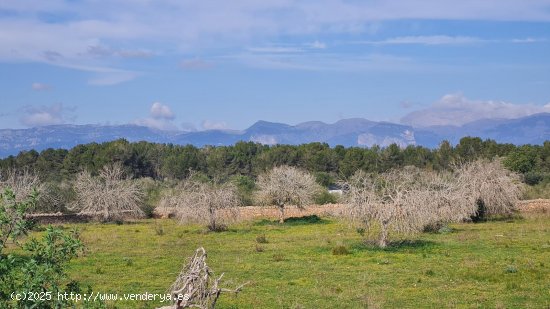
534	129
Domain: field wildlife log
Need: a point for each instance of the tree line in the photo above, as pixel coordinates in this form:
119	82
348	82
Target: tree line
247	160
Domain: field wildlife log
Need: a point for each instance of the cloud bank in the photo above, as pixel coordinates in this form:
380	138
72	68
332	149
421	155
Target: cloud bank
46	115
456	110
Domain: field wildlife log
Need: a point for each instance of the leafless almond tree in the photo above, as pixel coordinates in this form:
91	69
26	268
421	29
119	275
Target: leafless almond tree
109	196
393	201
21	182
489	187
210	203
286	185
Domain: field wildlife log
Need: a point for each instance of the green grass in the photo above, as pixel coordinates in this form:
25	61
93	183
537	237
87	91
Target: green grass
486	265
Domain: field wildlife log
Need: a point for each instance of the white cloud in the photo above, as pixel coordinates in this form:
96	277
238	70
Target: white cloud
455	109
159	124
40	87
195	64
191	24
529	40
160	117
328	62
105	34
105	51
275	50
161	111
317	45
46	115
264	139
445	40
112	78
214	125
427	40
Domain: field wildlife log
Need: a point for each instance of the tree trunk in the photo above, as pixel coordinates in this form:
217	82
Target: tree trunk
383	242
212	226
282	215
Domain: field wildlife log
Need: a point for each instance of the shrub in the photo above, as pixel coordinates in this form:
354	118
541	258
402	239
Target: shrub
128	261
492	189
340	250
261	239
326	197
511	269
533	178
159	229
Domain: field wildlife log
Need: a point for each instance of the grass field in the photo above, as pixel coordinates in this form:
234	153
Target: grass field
496	264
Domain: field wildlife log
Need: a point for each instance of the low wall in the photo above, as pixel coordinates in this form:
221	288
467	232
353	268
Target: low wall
534	206
272	212
58	218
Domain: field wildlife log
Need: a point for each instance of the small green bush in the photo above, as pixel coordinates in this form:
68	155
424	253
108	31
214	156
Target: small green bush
326	198
511	269
159	229
340	250
128	261
261	239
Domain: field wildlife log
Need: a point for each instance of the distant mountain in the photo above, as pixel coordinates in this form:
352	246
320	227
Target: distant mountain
358	132
534	129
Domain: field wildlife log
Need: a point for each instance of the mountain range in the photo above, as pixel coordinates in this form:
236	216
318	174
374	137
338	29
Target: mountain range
534	129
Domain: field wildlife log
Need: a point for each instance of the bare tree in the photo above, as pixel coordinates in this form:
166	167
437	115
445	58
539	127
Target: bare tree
22	182
409	199
286	185
210	203
196	285
393	201
109	196
489	187
440	193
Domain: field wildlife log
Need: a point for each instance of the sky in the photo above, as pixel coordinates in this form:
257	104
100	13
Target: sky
200	65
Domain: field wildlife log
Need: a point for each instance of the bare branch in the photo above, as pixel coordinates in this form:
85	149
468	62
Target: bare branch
196	286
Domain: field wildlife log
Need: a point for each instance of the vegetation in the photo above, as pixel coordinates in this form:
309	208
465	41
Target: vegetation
410	200
491	187
37	275
395	200
158	167
297	268
108	196
209	203
167	161
286	185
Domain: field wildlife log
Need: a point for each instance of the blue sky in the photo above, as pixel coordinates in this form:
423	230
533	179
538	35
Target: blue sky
195	65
